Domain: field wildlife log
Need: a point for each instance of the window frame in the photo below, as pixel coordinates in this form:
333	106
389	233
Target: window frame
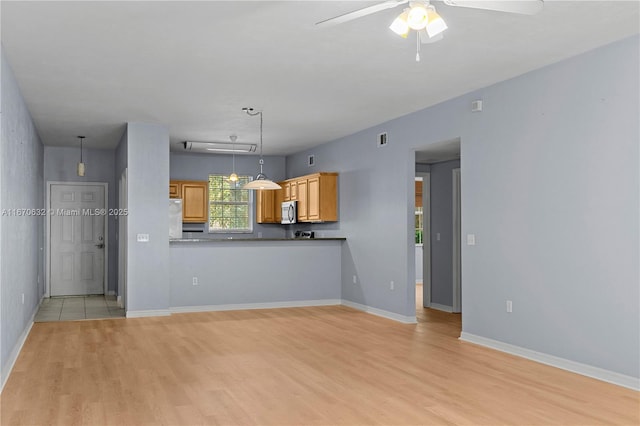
249	203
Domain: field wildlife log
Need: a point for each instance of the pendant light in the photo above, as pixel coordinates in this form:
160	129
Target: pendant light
81	164
233	177
261	181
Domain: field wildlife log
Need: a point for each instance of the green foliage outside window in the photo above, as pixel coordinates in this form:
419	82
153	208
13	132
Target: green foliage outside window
229	205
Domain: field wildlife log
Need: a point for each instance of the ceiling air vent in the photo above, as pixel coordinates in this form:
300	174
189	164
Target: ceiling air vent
382	139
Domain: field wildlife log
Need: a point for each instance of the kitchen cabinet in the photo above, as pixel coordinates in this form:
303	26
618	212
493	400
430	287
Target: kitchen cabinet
303	202
174	189
286	190
268	205
418	193
195	199
317	196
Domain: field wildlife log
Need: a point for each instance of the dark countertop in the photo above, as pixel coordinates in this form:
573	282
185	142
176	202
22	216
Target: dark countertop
224	240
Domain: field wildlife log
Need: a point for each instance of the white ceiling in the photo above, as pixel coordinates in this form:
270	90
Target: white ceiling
89	67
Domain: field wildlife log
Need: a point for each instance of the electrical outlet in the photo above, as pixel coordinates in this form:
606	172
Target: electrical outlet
355	279
259	234
195	281
23	298
392	286
437	236
471	239
509	306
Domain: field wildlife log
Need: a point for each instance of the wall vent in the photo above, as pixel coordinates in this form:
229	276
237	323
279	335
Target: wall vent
311	160
382	139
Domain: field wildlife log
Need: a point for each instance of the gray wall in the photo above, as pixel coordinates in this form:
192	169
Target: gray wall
254	272
60	165
441	221
21	238
553	235
120	164
200	166
148	174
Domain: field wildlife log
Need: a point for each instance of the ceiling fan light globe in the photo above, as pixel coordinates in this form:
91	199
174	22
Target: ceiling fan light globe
400	26
435	23
233	177
417	17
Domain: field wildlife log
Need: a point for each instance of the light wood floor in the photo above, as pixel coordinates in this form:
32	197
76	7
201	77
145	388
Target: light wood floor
302	366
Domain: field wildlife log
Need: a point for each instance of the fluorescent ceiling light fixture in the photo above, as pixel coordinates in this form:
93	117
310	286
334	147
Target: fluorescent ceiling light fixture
219	146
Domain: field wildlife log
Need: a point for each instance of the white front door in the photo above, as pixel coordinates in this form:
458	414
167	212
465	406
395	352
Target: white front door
77	239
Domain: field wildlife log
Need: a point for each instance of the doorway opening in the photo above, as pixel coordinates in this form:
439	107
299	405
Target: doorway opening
77	247
438	257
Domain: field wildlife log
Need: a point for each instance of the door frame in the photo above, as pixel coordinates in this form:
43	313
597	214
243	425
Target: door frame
426	238
457	240
123	203
47	233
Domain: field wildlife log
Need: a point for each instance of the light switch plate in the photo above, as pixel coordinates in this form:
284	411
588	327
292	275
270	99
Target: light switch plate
143	238
471	239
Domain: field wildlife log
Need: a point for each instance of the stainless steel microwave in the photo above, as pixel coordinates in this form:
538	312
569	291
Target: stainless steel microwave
289	212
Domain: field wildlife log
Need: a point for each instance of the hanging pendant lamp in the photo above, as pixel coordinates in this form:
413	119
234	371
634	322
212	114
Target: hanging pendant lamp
261	180
81	164
233	177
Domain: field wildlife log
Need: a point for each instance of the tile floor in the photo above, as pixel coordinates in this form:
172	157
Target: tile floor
78	308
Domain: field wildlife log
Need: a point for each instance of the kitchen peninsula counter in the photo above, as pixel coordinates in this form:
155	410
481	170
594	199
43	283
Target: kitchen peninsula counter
248	273
241	239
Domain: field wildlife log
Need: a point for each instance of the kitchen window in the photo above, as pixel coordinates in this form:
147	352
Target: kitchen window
230	207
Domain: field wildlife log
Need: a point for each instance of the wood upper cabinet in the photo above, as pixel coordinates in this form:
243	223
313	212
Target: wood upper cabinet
303	203
418	193
195	199
318	197
293	190
286	190
268	203
174	189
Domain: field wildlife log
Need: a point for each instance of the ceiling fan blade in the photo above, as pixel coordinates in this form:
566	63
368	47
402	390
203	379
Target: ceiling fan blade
389	4
524	7
425	39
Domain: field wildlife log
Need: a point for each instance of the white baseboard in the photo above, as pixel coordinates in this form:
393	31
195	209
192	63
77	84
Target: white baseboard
380	312
440	307
13	356
149	313
245	306
554	361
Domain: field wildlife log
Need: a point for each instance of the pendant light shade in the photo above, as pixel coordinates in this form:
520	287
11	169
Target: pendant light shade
261	180
81	164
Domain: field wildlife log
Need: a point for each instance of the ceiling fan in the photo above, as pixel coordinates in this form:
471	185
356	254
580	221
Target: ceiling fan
421	15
